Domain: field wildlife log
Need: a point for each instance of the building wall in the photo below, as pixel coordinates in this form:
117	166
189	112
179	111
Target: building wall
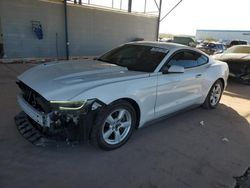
1	35
225	35
92	31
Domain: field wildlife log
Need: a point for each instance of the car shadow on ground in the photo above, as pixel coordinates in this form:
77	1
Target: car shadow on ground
224	136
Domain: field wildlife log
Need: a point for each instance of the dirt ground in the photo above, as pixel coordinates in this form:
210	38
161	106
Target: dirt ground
175	152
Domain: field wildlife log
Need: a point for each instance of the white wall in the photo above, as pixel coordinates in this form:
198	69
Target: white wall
223	35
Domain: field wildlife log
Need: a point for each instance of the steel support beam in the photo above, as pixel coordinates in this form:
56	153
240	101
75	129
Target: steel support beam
171	10
66	29
159	20
129	5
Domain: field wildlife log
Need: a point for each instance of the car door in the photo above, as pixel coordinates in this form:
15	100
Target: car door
176	91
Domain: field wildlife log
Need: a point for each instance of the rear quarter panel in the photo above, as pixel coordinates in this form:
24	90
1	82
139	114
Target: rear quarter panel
215	70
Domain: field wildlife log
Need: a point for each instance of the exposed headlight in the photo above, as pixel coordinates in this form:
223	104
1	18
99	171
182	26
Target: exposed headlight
68	105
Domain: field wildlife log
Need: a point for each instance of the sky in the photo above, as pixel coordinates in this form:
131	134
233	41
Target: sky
191	15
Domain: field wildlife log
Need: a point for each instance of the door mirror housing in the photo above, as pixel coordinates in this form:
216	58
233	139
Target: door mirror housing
174	69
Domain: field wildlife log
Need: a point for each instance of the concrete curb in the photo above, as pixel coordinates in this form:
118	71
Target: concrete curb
40	60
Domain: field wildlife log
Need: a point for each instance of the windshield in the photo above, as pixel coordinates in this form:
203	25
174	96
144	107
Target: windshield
136	57
239	49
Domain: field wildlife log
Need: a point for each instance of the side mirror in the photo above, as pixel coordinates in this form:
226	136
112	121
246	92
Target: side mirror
174	69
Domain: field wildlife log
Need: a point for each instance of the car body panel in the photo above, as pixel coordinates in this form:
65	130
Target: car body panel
141	90
74	77
177	90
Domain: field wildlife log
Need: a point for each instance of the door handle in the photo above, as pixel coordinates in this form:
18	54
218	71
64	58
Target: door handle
198	75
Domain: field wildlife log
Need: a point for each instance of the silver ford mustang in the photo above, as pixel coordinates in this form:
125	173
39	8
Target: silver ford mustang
106	99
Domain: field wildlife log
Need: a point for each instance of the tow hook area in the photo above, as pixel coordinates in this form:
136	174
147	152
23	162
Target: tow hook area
243	181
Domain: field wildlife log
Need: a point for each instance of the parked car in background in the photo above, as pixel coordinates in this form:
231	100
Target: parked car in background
188	41
105	100
237	42
238	60
211	48
166	40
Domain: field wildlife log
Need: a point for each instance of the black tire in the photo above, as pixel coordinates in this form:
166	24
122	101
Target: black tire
208	104
245	79
97	133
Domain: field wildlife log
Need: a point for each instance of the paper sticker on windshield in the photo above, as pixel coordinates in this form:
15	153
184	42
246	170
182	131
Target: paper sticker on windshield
161	50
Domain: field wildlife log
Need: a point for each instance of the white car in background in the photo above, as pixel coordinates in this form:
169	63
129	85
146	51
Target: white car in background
106	99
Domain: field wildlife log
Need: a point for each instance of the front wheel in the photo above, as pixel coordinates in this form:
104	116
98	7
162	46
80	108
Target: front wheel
114	126
214	95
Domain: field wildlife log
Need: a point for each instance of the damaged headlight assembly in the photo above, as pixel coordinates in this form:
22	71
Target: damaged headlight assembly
68	105
69	113
91	104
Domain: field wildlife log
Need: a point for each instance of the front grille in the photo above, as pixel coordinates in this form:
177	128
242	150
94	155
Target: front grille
34	98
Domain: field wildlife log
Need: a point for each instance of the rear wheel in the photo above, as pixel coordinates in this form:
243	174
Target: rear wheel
114	126
214	95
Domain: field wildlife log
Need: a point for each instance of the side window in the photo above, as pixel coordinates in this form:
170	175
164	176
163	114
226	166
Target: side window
202	60
188	59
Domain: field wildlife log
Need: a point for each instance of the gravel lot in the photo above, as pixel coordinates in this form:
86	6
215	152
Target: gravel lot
175	152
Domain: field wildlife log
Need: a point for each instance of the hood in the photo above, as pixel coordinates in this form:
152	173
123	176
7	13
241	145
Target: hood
232	56
66	79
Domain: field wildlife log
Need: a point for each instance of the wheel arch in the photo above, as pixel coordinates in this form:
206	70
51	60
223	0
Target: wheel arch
135	106
212	83
223	82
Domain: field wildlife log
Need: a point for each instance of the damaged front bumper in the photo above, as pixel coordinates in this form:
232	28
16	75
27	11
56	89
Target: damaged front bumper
57	125
39	117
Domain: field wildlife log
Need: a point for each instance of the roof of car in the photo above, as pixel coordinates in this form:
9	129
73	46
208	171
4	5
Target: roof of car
215	42
170	46
166	45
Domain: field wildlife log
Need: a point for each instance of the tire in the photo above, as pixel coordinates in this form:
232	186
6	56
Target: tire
245	79
114	125
214	95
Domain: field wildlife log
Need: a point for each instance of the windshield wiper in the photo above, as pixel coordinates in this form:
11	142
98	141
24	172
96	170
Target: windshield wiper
103	60
106	61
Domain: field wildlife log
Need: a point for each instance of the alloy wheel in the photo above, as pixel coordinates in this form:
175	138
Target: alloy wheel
215	94
116	126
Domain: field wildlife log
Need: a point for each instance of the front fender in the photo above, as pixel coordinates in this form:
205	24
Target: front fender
142	91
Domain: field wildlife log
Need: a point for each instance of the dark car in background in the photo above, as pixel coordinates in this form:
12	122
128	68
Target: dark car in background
188	41
237	42
211	48
238	60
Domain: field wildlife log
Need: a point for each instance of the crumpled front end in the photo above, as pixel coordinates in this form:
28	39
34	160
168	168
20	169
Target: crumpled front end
43	122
